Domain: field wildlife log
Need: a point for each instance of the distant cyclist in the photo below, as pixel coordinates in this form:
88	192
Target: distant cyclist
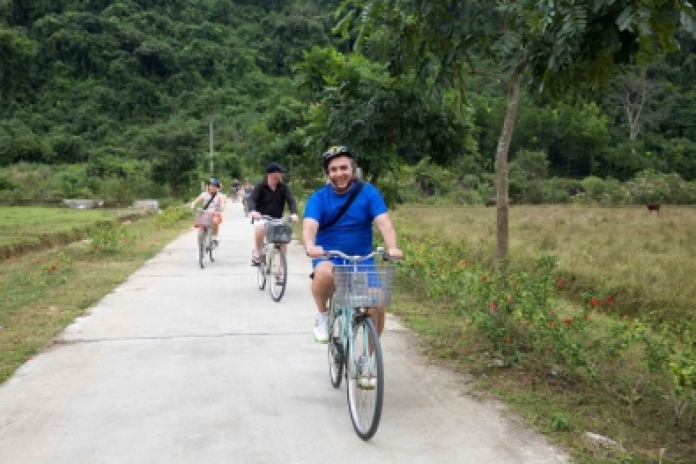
247	188
351	233
213	201
234	189
268	198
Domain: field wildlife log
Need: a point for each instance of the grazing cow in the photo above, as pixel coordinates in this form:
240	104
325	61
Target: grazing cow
494	201
653	207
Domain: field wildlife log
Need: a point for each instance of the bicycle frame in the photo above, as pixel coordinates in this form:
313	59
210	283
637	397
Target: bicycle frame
346	330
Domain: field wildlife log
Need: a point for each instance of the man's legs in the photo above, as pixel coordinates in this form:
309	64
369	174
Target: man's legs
216	228
378	317
322	289
259	233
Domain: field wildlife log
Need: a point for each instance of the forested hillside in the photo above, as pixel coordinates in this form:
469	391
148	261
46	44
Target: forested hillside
120	85
113	99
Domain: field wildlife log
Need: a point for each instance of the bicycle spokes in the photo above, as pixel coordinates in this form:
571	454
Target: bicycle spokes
365	378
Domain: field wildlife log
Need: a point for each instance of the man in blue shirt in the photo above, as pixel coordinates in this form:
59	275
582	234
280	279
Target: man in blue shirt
351	234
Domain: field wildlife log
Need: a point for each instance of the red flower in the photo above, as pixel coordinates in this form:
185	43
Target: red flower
484	279
561	283
549	348
593	302
506	339
610	299
494	306
567	321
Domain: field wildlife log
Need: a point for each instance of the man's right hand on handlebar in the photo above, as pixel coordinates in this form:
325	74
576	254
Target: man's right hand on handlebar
315	251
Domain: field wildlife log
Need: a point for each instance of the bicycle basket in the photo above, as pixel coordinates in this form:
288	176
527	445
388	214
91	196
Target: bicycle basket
278	232
204	219
364	285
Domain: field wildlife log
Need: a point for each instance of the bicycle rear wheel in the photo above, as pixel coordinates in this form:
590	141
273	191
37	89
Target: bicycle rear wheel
278	273
365	378
336	358
261	272
201	247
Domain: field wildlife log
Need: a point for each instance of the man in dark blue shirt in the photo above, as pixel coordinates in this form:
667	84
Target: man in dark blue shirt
351	234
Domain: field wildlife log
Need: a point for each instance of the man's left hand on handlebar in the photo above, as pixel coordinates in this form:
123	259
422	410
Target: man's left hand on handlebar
293	218
395	253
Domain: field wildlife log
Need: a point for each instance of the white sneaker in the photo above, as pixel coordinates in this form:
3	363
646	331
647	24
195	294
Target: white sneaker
366	380
321	328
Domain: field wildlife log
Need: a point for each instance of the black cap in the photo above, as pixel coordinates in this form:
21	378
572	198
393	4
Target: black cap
275	167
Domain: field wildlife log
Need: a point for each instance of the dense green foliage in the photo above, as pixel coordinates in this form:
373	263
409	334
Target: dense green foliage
114	99
127	87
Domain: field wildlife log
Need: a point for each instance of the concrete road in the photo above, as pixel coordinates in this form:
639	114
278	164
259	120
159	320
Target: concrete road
183	365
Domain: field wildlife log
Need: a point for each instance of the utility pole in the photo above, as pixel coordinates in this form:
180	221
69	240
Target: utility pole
212	171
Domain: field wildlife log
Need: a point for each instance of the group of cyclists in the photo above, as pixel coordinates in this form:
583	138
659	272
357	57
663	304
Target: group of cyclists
338	216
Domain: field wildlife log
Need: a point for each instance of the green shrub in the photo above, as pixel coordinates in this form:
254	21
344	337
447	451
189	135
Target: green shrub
110	240
650	186
173	216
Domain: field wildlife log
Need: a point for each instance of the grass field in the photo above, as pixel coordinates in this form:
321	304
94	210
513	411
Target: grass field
43	292
26	229
647	262
29	224
635	357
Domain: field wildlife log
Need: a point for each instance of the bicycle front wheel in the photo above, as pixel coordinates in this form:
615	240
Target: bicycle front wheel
365	378
201	247
278	273
336	357
261	273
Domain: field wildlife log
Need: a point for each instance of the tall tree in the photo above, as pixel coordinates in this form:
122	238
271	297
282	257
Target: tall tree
564	48
174	148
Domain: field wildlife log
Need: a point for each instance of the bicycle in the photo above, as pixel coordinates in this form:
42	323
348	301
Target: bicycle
245	200
354	345
273	261
204	222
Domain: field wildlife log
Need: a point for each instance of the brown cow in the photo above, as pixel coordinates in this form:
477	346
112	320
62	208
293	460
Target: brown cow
653	207
494	201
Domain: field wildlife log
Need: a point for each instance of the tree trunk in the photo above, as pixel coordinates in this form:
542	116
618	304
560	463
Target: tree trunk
501	166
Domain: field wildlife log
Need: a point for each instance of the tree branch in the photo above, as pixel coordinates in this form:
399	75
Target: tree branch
475	72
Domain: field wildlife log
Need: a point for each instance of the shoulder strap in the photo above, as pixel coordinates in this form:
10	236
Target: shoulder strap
212	197
345	206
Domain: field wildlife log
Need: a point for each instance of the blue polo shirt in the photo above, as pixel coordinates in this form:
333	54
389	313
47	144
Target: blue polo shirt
352	234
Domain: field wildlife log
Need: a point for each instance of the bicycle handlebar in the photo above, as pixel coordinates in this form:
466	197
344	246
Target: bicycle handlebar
269	218
356	259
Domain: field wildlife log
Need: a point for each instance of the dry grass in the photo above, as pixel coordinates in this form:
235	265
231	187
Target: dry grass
645	261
